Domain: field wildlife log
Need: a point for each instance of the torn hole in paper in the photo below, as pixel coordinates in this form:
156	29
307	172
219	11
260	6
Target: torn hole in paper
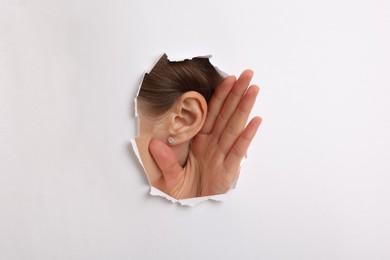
172	108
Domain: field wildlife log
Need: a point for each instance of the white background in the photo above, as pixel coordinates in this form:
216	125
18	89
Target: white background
316	182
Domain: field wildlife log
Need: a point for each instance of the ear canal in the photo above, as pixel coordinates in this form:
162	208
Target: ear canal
188	115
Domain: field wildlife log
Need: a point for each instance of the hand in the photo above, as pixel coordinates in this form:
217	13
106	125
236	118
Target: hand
217	150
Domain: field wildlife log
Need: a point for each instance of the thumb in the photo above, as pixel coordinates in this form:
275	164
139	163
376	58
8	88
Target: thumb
167	161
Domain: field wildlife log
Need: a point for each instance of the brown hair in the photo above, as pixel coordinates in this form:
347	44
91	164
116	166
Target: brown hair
168	80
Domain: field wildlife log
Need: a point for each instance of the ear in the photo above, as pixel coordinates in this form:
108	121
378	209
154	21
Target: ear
187	117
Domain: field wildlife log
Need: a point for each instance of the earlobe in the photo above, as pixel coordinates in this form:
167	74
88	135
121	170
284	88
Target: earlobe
187	117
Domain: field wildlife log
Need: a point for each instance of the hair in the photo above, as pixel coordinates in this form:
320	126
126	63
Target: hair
168	80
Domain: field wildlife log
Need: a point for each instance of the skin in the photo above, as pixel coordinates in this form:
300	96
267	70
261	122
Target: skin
206	158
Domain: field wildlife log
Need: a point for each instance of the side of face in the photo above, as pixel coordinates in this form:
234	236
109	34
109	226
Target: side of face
181	124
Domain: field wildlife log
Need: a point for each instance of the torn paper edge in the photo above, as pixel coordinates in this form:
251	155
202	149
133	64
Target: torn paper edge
178	57
156	192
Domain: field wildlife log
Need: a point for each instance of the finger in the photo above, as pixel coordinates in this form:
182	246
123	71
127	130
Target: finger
238	151
232	102
167	161
216	103
238	121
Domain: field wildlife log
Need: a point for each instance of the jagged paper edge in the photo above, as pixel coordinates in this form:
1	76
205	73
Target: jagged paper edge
156	192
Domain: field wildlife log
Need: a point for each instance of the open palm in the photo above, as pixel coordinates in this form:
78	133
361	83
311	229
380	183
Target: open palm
216	152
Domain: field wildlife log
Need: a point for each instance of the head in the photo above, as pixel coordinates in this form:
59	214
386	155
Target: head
176	94
168	80
172	102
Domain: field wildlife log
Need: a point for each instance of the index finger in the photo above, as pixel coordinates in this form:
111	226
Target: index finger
216	103
231	102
